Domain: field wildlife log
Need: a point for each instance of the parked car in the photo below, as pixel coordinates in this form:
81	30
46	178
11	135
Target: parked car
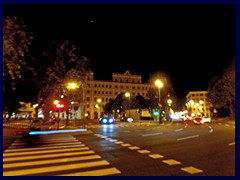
188	119
106	120
201	120
126	119
206	119
197	120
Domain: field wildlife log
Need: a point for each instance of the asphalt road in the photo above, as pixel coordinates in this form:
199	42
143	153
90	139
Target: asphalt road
202	150
126	149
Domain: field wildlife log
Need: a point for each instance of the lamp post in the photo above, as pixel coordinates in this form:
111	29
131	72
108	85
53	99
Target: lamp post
99	101
71	85
127	94
159	84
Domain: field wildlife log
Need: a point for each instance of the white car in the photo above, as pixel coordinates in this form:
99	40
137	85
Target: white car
206	120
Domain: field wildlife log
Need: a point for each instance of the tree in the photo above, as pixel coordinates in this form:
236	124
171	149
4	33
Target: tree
221	89
16	42
61	64
17	66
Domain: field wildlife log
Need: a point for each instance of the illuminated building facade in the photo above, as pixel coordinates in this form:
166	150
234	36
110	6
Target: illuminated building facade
197	103
96	93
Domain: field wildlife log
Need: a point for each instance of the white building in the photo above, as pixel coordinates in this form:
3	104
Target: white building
197	103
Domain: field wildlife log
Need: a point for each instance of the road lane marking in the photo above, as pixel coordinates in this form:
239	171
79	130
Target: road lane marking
231	144
50	161
191	170
45	142
144	151
118	142
152	134
44	145
179	129
171	162
101	172
155	156
55	168
40	139
125	145
46	151
108	139
36	157
42	148
188	137
113	140
133	147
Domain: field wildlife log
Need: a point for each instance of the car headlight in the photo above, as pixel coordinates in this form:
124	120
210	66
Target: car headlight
104	120
110	120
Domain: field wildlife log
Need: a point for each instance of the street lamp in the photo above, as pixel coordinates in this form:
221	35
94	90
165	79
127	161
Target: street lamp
99	101
159	84
71	85
127	94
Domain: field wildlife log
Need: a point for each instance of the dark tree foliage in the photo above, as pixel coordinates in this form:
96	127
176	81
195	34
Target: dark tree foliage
17	62
221	90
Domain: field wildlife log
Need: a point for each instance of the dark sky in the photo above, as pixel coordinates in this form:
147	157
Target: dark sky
191	43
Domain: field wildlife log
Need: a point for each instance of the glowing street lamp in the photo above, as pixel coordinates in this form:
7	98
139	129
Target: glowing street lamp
70	86
169	101
159	84
127	94
99	100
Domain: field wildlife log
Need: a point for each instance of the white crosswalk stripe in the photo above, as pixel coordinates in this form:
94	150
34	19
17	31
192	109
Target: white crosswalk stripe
54	156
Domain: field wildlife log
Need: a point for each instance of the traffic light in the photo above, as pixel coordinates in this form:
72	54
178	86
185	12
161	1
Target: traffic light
75	105
156	113
59	107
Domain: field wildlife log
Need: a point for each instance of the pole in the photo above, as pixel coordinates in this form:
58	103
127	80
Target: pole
159	97
67	108
159	101
129	108
58	120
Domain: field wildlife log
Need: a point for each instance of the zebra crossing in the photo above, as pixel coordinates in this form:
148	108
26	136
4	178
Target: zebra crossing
54	155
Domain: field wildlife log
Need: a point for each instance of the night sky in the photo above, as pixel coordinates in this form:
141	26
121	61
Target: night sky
190	43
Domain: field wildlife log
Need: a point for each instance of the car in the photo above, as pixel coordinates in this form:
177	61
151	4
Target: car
201	120
187	119
126	119
197	120
206	119
106	120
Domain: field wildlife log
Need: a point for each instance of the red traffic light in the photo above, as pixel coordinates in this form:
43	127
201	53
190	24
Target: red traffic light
59	107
